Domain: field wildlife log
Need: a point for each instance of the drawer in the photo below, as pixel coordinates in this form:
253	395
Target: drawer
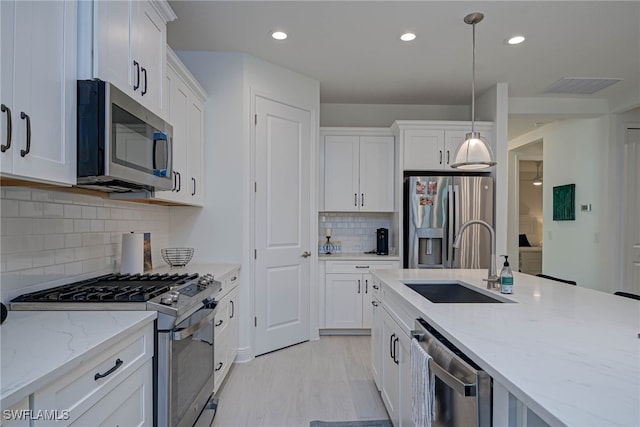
130	403
358	267
221	319
220	358
81	389
229	281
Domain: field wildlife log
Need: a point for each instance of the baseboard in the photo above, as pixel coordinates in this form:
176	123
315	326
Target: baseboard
345	332
244	355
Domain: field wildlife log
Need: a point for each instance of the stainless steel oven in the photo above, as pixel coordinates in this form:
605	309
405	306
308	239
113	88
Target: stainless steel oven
184	361
185	355
463	391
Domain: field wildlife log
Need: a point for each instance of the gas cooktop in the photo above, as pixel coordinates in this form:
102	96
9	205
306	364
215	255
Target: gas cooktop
175	295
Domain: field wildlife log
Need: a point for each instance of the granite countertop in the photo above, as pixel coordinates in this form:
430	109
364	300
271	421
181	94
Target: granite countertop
570	354
357	256
39	347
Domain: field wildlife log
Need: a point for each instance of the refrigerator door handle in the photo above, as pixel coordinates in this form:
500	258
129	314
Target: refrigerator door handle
456	219
450	227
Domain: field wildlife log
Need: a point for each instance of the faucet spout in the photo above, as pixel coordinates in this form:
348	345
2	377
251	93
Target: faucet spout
492	278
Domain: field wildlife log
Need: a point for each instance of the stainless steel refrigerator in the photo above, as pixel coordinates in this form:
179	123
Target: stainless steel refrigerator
434	209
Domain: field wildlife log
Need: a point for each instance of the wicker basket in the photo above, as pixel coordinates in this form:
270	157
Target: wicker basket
177	257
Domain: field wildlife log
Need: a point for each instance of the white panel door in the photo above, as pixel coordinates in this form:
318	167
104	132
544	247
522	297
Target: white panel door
282	225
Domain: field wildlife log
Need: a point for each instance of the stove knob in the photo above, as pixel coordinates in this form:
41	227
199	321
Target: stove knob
167	300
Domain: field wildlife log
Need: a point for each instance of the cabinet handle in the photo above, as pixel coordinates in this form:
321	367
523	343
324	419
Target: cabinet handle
25	116
448	157
366	286
362	266
136	86
175	180
179	187
144	89
362	201
194	186
395	352
391	347
98	375
358	285
233	309
234	278
355	199
375	304
375	287
220	365
7	110
219	323
440	156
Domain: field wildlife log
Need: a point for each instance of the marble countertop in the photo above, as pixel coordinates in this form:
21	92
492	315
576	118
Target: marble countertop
39	347
357	257
570	354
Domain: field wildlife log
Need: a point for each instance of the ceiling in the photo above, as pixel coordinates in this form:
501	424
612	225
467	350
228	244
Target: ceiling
353	49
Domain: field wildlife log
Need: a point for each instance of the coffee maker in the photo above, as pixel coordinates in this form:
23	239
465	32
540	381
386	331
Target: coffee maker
382	239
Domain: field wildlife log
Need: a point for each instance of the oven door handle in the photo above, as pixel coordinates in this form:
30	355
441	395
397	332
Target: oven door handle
182	334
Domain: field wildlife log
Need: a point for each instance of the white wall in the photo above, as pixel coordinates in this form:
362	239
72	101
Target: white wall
383	115
221	231
54	237
585	152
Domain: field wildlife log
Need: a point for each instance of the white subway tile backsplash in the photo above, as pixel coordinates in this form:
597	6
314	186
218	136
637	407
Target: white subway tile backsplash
52	235
355	231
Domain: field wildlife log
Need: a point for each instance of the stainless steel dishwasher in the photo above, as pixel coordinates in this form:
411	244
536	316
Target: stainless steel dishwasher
463	391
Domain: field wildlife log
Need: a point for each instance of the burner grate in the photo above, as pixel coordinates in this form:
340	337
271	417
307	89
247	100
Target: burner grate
111	288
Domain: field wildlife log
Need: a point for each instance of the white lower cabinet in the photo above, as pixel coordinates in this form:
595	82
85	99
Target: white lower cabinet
114	388
226	330
396	371
348	293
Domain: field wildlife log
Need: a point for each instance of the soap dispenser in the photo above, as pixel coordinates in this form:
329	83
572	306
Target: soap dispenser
506	277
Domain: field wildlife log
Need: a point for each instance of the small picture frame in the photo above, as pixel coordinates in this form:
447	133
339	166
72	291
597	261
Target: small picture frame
564	202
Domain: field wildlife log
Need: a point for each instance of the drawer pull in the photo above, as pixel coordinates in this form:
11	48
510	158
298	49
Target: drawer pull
97	376
219	323
234	278
362	266
376	287
220	365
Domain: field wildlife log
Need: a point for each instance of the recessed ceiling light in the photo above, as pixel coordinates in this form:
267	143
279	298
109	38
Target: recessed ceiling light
279	35
515	40
407	37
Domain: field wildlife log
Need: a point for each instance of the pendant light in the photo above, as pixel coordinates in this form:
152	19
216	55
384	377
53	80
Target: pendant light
537	180
473	152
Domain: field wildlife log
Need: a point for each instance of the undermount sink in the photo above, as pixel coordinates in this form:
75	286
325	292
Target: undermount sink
452	292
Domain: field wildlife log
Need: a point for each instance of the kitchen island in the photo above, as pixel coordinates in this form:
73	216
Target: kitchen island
570	355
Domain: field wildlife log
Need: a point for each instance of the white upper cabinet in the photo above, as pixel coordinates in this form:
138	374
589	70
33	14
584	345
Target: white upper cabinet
38	90
185	99
127	48
358	170
431	146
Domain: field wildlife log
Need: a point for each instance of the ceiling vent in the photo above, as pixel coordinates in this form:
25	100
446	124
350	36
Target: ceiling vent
579	85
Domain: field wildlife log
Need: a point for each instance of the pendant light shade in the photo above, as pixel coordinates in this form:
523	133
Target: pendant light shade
537	180
474	152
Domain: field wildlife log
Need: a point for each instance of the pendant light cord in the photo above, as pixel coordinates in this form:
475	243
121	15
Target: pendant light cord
473	78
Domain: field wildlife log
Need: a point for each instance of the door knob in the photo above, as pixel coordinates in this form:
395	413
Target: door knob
306	254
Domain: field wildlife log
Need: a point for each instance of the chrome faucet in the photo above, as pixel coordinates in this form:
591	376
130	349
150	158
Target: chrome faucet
492	278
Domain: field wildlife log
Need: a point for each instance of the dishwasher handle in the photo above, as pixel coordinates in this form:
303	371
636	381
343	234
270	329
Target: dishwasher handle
460	387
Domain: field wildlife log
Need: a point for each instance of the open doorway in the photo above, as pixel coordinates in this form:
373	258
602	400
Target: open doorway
529	195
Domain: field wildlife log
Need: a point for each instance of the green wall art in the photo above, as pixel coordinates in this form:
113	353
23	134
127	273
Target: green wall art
564	202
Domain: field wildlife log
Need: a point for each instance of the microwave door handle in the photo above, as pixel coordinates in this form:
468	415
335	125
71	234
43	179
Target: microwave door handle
160	136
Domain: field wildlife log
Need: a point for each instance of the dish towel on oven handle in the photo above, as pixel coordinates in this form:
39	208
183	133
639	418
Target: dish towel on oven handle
423	383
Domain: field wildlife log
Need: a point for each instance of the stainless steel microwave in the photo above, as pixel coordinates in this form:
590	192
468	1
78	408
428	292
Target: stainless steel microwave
122	146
